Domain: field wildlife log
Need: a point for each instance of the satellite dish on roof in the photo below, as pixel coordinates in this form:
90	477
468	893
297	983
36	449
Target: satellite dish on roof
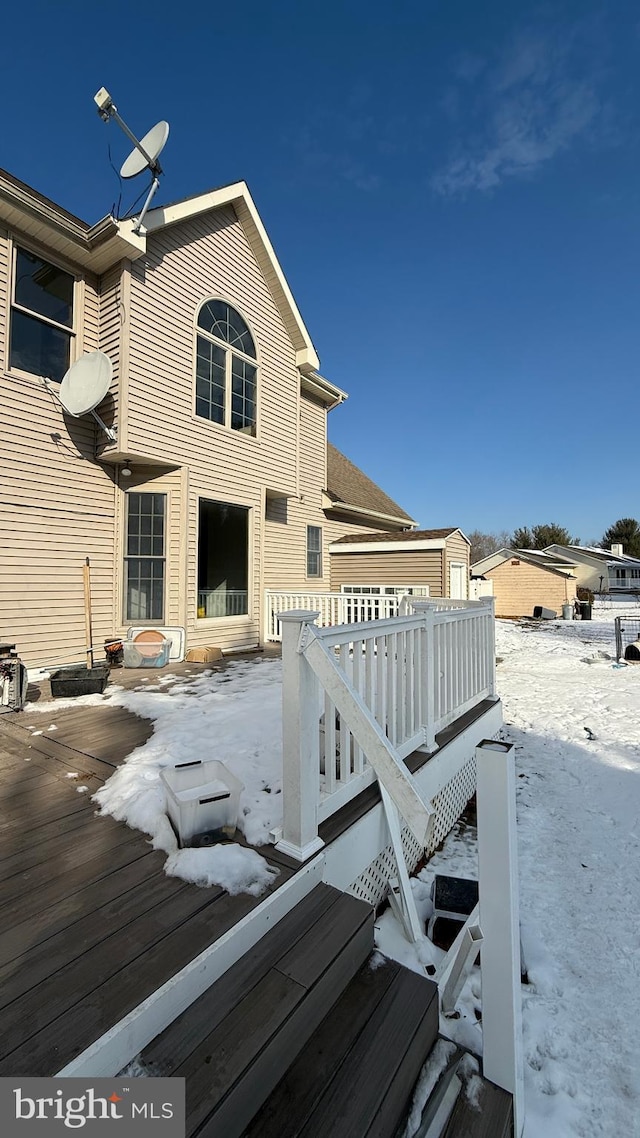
86	383
146	155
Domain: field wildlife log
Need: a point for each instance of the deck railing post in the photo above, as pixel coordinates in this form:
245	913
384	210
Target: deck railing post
502	1052
491	647
429	678
300	741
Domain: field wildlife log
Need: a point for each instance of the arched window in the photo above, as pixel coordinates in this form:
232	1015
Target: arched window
225	368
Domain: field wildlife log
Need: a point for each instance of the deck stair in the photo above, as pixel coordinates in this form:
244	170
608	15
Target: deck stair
308	982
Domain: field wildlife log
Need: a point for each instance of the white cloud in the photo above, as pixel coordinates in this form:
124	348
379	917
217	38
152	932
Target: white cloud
532	105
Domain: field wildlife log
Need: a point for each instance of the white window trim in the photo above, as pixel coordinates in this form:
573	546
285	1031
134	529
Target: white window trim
398	590
229	351
75	339
314	576
152	622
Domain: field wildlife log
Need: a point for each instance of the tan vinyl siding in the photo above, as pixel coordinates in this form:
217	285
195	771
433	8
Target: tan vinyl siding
56	508
112	308
185	265
456	550
286	522
89	331
519	588
403	567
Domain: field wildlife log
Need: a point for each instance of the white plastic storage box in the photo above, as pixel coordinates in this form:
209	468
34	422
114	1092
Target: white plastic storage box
146	655
201	796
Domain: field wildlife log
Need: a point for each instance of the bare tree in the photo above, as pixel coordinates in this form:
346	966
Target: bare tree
482	544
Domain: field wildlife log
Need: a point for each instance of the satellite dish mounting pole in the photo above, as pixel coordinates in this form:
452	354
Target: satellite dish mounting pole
149	148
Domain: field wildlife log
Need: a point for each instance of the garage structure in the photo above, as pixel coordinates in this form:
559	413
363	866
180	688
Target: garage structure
524	580
436	560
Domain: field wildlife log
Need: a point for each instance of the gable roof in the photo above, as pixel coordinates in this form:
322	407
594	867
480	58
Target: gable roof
98	247
401	536
351	491
237	195
591	553
540	558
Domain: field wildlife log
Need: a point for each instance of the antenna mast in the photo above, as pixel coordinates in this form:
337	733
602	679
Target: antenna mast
149	149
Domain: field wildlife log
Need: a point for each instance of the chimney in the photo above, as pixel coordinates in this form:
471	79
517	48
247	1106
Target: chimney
616	550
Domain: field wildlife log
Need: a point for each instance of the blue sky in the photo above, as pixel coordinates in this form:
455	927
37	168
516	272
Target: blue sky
453	190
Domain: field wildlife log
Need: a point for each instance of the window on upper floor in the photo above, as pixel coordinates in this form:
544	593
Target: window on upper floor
226	368
41	317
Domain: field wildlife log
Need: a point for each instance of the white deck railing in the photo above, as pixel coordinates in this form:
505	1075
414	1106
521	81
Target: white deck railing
362	696
332	608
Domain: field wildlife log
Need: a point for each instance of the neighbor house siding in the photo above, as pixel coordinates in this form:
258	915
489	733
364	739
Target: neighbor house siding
57	509
518	588
403	567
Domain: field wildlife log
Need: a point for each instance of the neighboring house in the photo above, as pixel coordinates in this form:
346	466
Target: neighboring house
601	570
221	483
437	558
524	579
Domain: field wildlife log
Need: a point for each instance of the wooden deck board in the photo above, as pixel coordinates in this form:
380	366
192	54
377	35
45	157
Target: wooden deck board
489	1116
355	1100
173	1047
247	1067
310	1075
62	916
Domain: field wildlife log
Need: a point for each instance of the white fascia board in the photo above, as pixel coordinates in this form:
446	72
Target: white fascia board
322	388
346	508
385	546
239	197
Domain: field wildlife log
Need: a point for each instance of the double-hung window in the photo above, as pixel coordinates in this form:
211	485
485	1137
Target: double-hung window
41	317
226	369
314	551
145	557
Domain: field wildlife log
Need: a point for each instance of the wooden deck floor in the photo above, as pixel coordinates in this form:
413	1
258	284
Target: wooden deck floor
89	923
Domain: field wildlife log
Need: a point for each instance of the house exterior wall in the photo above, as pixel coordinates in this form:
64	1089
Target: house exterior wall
518	588
58	503
590	573
209	256
286	521
65	497
424	567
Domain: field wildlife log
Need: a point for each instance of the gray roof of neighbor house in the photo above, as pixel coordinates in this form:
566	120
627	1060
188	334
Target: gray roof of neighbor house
349	488
401	535
540	558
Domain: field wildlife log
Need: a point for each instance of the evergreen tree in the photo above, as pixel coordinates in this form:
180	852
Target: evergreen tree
624	532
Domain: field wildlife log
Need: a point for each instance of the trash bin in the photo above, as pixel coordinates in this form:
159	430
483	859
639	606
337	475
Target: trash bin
567	612
585	610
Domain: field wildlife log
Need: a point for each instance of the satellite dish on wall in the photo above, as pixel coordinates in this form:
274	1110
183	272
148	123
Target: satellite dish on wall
151	146
84	386
86	383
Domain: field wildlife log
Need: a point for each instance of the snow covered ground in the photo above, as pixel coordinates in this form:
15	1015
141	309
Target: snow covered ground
574	720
